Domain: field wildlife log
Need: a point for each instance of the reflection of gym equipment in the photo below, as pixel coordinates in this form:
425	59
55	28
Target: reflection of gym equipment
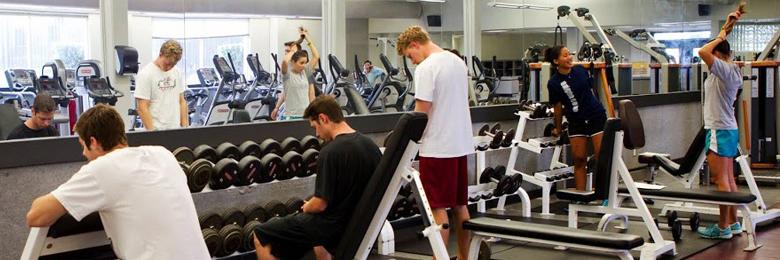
231	110
261	97
386	96
98	88
345	93
21	90
485	81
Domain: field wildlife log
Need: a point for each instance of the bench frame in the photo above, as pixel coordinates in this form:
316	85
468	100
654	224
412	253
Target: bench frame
40	244
478	237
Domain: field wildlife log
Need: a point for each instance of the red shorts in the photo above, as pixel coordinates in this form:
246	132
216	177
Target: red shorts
445	181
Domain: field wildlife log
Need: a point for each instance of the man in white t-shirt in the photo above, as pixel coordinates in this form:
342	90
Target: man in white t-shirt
441	84
141	194
159	91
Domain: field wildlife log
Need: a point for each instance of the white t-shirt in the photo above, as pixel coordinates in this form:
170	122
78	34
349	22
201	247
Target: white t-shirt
144	203
442	79
163	89
296	92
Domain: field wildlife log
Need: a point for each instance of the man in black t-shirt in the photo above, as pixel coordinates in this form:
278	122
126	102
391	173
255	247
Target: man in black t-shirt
39	125
346	163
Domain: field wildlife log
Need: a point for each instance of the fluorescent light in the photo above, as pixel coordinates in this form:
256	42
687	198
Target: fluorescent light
434	1
497	31
518	6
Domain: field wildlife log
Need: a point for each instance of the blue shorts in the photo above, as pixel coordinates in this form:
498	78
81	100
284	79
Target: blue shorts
283	118
725	143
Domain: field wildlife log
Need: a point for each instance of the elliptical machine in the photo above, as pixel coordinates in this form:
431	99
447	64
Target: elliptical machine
485	83
261	97
385	97
345	93
233	109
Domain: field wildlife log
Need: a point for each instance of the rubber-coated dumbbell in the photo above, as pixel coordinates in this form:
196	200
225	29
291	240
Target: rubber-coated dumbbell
290	144
495	133
397	209
269	146
294	205
310	142
276	208
249	169
247	240
231	240
210	225
256	213
233	216
293	166
184	154
271	166
198	174
310	157
228	150
505	184
205	151
225	174
250	148
693	222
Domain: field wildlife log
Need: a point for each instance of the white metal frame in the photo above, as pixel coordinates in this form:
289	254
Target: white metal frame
39	244
478	236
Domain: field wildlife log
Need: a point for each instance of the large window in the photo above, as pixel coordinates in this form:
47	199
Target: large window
752	37
28	41
201	40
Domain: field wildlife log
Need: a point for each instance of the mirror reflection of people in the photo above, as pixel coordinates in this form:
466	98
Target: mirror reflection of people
297	69
374	74
39	124
159	91
140	193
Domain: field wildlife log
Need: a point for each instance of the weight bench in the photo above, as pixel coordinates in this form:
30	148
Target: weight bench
632	123
69	239
691	163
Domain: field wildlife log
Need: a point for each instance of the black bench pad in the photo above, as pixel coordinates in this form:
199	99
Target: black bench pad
554	233
662	160
732	197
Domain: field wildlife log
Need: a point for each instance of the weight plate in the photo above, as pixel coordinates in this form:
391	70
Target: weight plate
271	167
406	190
310	142
508	138
293	166
210	221
290	144
495	128
256	213
184	154
249	148
499	172
671	217
695	221
483	130
199	174
247	240
275	208
231	240
213	242
548	130
310	162
233	216
677	230
484	251
294	205
228	150
497	139
205	152
269	146
487	173
248	170
517	180
225	174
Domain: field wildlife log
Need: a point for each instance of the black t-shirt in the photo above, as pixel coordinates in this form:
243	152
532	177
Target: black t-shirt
345	166
23	132
575	91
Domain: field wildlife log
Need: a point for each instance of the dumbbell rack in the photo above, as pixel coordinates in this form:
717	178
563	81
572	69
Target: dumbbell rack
482	188
539	179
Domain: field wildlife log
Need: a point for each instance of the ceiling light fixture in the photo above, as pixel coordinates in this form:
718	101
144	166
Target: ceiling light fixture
517	6
434	1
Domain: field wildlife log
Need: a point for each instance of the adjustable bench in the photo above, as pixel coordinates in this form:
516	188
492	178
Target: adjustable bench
691	163
632	123
69	239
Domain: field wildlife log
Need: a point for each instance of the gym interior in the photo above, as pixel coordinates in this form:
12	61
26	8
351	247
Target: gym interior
650	189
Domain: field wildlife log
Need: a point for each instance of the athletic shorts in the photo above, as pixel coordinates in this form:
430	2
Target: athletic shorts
724	142
587	128
293	236
445	181
284	118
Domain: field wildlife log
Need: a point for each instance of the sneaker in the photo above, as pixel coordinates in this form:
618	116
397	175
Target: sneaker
605	203
714	232
736	228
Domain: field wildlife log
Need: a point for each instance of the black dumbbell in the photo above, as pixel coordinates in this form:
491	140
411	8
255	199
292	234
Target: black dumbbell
276	208
255	213
184	154
509	137
247	240
310	142
248	170
214	221
225	174
693	222
495	133
212	239
233	216
269	146
290	144
398	208
231	240
310	157
249	148
271	166
293	166
198	174
205	151
228	150
294	205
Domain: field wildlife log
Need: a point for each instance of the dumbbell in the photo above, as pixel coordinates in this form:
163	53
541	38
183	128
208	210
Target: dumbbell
255	213
198	174
675	227
293	166
184	154
294	205
310	142
228	150
271	166
495	133
247	239
249	148
249	169
405	191
505	184
290	144
225	174
269	146
310	157
276	208
205	151
210	225
412	207
231	237
673	220
233	216
396	211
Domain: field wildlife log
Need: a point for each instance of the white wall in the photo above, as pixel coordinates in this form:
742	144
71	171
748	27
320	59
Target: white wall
511	45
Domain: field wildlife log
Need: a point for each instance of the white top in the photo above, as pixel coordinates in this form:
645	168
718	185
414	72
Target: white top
296	92
442	79
144	203
163	89
720	92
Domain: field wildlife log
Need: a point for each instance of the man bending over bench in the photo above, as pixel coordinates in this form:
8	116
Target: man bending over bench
345	165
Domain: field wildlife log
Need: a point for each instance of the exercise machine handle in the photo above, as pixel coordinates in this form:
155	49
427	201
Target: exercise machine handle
392	71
